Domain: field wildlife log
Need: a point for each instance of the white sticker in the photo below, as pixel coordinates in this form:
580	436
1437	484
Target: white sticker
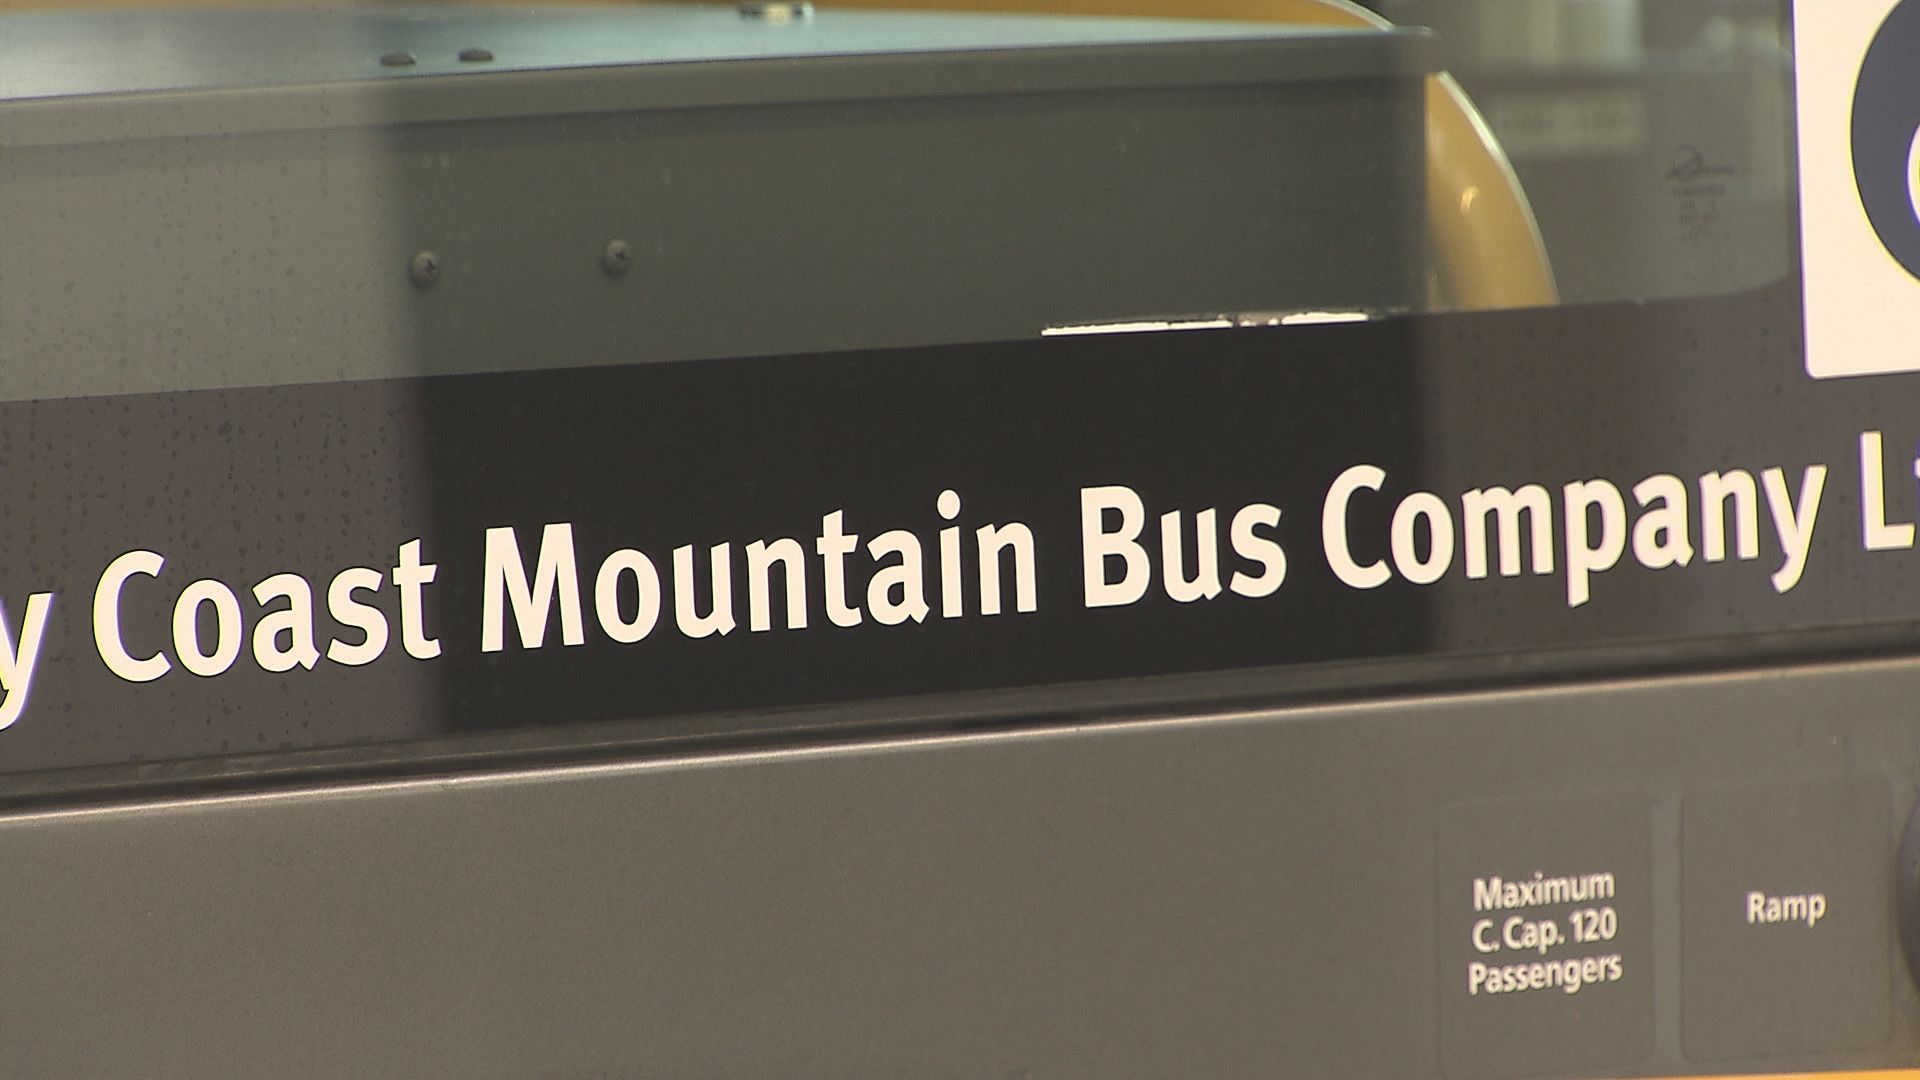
1859	104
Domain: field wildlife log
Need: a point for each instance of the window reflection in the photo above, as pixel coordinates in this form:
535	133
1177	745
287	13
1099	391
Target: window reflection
264	182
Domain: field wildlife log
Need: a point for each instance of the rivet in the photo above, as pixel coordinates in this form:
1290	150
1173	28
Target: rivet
617	259
397	59
475	55
424	270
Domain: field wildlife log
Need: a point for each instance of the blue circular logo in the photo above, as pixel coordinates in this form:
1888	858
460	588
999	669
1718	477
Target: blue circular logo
1886	134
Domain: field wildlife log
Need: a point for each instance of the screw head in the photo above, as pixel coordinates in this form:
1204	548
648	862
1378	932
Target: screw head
474	54
424	270
617	259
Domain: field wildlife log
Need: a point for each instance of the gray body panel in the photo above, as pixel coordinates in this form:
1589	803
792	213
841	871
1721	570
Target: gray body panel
1242	895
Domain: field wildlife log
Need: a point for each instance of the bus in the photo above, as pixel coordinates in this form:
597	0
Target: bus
960	538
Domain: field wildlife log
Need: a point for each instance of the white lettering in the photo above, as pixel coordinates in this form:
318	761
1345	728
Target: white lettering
1807	909
1716	490
106	618
207	663
898	593
1793	521
1586	558
952	599
295	621
1333	528
1660	537
992	541
793	566
1255	548
686	608
606	596
1097	546
410	575
833	546
1878	533
369	620
1205	583
1415	508
1508	507
17	664
505	577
